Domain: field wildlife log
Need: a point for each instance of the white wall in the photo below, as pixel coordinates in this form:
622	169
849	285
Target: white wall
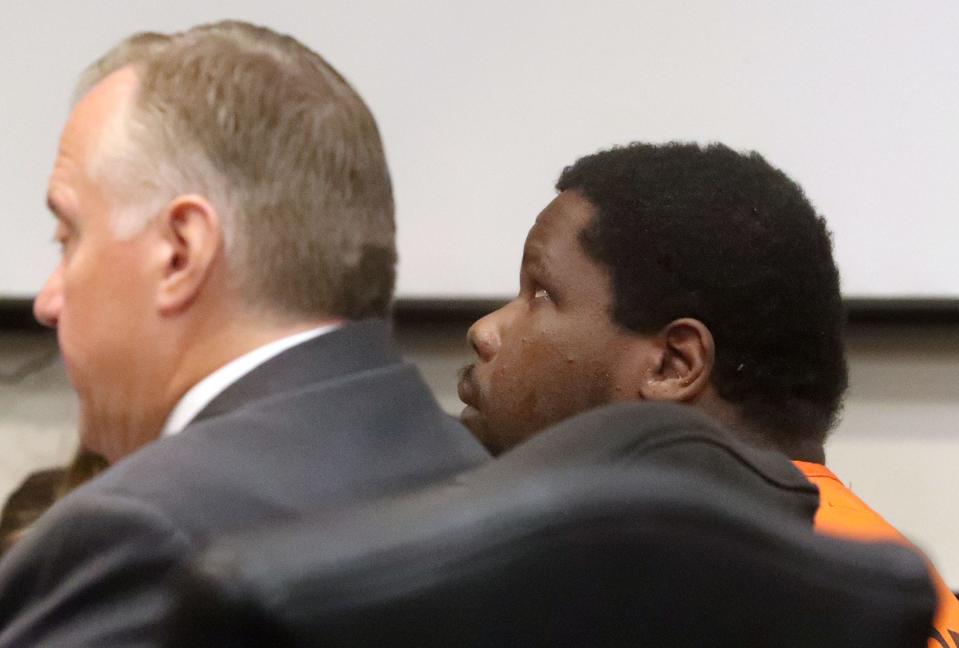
482	104
898	444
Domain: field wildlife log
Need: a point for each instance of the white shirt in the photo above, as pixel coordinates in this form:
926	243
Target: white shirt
200	395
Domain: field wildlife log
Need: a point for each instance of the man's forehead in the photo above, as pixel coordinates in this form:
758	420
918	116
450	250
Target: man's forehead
110	92
560	221
96	110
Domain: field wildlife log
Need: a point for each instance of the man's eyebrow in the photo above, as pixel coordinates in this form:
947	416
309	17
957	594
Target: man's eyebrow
56	208
534	261
532	255
52	205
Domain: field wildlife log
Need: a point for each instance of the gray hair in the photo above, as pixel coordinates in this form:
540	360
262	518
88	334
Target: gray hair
278	142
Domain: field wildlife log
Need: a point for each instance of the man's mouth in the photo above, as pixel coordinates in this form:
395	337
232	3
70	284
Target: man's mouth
472	397
465	388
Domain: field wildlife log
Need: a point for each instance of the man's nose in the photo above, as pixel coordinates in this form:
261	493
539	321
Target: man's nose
48	303
484	335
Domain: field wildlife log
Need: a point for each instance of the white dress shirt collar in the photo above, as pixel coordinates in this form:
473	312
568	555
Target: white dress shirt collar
200	395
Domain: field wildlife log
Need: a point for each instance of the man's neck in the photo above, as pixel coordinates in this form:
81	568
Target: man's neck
814	453
796	450
728	414
192	353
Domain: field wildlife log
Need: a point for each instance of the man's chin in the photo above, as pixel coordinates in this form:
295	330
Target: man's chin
471	418
474	422
90	440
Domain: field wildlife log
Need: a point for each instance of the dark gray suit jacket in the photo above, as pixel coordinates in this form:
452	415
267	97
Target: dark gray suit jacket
637	524
635	435
330	422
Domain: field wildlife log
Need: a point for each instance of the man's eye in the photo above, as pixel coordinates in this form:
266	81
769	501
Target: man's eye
541	293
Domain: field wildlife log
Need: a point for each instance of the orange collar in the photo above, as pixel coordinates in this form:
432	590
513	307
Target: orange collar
811	470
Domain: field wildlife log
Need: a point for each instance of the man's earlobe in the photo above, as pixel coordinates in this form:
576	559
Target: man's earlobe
191	233
684	364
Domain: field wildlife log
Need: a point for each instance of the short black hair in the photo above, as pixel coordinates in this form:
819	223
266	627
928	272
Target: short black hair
725	238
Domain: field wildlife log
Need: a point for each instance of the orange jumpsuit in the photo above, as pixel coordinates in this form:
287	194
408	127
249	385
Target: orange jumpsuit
843	514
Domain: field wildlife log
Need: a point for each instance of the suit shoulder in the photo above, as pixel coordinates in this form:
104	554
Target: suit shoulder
90	567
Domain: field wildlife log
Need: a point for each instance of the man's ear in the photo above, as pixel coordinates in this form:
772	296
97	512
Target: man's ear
681	363
192	236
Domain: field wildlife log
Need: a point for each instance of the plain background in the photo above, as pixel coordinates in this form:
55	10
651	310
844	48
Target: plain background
482	104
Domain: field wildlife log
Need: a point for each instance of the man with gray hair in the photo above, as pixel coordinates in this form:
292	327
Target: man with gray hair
226	220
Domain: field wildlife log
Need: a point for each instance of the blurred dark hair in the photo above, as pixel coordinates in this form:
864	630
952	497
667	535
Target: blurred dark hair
40	490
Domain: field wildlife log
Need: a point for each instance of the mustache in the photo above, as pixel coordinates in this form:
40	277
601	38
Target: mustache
465	374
